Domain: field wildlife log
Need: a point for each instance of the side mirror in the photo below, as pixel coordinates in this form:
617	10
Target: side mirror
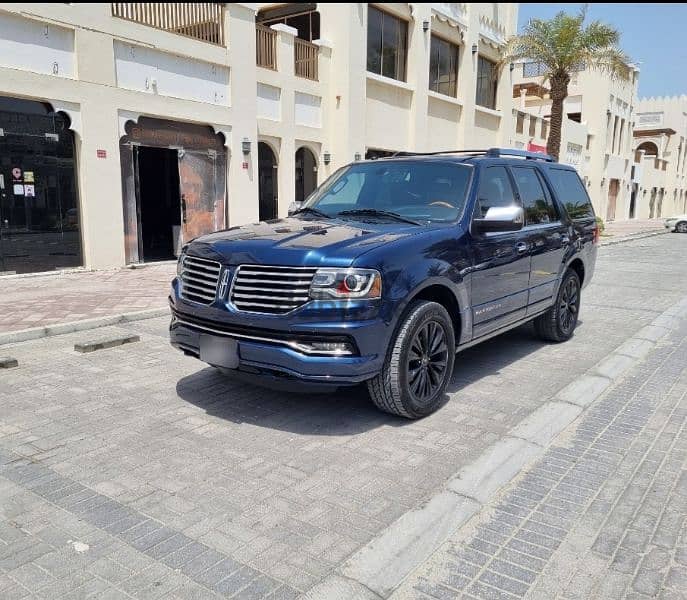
295	206
500	218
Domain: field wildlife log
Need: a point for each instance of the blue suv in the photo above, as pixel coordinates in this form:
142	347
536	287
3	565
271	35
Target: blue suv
387	270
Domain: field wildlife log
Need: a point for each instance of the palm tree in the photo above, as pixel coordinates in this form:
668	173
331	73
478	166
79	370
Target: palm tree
561	46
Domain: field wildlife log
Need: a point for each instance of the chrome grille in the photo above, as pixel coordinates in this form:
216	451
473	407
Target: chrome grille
199	278
270	289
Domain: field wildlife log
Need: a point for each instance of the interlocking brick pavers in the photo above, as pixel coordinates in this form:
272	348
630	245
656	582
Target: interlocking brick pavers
279	487
603	514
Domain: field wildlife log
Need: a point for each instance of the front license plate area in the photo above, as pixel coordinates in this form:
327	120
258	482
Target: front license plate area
218	351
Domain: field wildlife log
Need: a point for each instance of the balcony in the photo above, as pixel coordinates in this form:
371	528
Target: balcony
266	47
306	55
202	21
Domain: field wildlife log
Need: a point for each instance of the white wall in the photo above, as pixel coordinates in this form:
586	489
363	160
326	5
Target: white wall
36	46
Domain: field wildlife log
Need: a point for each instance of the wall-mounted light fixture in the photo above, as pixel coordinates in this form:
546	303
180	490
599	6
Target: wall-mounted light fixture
245	146
425	26
512	67
357	156
327	157
474	48
603	180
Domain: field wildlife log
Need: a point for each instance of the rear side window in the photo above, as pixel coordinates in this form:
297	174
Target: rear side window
537	204
495	189
571	193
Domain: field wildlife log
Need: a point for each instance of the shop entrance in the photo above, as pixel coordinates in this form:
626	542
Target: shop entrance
174	186
159	201
39	213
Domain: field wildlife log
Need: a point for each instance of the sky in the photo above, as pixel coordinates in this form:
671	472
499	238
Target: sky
653	35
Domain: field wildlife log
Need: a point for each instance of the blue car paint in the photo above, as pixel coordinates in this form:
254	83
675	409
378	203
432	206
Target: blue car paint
410	259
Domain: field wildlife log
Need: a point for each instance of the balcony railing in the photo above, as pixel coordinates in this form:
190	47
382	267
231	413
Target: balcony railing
266	47
306	57
199	20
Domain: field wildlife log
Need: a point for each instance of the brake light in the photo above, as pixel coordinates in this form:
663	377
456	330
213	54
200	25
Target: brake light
597	234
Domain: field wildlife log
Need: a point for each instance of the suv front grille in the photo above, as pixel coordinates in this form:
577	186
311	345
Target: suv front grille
270	289
199	278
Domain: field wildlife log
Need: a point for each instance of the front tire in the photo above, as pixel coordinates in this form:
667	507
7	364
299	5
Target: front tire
681	227
418	364
558	323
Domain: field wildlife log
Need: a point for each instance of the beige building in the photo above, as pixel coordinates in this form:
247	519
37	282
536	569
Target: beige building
126	128
660	145
597	133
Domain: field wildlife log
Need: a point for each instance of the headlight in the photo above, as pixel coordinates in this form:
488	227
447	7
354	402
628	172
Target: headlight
345	284
180	262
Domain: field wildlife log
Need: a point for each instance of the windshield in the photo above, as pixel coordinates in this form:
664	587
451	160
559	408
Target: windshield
419	191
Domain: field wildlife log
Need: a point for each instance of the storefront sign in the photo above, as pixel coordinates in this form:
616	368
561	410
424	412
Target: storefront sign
18	189
16	173
101	153
28	176
30	191
536	148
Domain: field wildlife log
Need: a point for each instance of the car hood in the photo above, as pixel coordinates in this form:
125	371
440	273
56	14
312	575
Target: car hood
299	242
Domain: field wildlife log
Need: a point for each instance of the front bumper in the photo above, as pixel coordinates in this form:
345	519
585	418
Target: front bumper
273	355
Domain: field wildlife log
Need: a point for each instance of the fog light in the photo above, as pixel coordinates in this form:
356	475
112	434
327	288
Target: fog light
327	348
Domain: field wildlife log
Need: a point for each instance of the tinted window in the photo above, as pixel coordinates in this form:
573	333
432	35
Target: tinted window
536	202
422	191
495	189
571	193
443	67
386	44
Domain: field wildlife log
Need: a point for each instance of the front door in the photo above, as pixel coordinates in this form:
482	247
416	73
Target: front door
267	182
201	177
546	236
613	188
501	269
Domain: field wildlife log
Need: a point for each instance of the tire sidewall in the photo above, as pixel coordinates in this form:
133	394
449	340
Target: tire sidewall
563	335
419	316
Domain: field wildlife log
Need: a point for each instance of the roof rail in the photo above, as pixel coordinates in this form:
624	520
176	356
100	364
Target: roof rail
491	153
498	152
407	153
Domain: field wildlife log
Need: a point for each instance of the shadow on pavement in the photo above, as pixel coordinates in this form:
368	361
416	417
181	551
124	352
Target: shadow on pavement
346	411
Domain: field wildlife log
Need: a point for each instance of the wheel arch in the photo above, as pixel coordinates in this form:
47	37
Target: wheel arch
444	295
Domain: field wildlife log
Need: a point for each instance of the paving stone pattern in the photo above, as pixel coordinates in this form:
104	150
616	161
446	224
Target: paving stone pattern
602	515
132	469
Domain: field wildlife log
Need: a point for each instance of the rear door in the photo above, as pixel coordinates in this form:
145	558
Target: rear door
501	270
545	233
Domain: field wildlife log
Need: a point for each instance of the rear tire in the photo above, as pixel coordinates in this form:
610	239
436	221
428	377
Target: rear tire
558	323
418	364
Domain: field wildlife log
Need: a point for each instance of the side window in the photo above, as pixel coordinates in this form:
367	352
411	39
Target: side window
570	191
495	190
536	202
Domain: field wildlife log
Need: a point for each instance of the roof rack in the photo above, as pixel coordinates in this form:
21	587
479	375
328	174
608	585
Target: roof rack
491	153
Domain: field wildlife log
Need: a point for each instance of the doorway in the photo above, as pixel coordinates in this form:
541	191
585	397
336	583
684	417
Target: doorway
267	182
159	201
306	174
633	201
613	188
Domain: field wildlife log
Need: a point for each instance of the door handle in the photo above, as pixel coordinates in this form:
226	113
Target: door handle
521	247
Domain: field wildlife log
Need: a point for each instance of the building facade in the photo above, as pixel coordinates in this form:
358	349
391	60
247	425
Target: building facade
660	146
597	131
127	128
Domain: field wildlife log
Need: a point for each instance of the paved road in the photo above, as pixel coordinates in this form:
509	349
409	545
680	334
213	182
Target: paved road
135	471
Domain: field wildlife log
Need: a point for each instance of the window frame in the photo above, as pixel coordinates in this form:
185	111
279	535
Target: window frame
547	195
479	78
403	76
454	54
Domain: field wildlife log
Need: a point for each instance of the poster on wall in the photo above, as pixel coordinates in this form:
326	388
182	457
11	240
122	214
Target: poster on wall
28	176
18	189
29	191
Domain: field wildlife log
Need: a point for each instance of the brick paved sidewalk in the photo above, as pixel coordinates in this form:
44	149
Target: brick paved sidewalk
603	515
632	227
28	302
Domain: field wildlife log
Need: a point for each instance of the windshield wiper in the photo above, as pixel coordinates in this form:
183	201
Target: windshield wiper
373	212
312	211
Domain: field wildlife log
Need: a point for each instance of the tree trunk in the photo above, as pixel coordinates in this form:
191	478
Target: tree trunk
559	92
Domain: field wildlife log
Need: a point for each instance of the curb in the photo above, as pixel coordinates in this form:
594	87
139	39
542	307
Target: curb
633	237
23	335
378	568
